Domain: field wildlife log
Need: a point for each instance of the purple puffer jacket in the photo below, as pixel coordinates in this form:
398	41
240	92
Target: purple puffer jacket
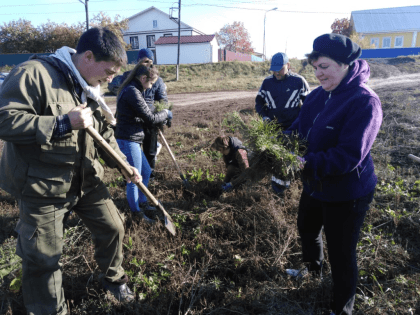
340	127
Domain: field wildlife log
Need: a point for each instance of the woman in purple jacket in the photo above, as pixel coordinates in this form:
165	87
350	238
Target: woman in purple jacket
340	121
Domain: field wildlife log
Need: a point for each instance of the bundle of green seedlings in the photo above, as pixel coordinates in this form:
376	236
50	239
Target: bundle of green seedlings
160	106
273	153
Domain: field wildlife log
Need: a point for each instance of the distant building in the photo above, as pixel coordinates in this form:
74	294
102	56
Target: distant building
392	31
256	56
147	26
226	55
193	49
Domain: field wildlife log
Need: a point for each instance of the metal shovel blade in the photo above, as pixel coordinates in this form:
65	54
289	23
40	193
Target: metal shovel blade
123	165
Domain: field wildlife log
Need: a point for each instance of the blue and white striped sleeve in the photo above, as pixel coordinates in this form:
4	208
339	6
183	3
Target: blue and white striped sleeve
62	126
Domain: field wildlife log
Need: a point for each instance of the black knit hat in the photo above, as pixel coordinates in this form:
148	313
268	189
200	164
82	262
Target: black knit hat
338	47
145	52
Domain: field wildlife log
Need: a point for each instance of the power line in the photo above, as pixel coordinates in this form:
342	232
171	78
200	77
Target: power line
61	3
284	11
191	5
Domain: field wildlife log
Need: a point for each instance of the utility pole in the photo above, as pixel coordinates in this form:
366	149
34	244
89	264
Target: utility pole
273	9
87	12
179	39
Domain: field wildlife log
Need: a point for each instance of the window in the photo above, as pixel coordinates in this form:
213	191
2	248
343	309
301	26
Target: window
386	42
374	42
134	41
154	23
169	34
150	41
399	41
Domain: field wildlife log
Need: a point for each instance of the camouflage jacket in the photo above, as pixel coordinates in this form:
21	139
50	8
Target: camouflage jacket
34	166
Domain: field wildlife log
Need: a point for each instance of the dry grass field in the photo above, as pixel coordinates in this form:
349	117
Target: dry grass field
231	249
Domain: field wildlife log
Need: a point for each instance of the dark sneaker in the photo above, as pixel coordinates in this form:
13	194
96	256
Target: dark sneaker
148	210
119	289
140	214
279	189
145	206
313	269
297	273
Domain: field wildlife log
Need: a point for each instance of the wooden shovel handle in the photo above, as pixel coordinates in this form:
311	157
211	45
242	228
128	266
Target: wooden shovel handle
170	152
414	158
121	163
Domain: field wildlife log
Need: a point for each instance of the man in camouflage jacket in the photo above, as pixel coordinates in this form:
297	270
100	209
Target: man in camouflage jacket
51	165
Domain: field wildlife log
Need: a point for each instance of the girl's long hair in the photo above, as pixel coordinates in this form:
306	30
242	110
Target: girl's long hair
139	70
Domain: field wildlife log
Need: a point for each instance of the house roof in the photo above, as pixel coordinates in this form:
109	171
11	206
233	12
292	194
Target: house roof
183	25
387	20
184	39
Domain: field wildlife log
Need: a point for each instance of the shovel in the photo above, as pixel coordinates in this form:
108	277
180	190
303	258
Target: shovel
414	158
123	165
184	180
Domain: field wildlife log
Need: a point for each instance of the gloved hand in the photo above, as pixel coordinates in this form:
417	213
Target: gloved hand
170	116
301	162
266	119
227	187
169	123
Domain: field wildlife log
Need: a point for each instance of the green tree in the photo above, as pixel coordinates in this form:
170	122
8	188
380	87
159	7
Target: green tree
19	37
56	35
22	37
235	38
117	26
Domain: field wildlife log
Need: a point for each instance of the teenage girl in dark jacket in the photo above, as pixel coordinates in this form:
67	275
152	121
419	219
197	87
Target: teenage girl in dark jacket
133	116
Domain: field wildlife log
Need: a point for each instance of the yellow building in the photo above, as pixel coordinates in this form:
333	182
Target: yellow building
388	28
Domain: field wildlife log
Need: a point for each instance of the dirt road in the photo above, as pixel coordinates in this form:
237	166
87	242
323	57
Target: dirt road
407	79
192	99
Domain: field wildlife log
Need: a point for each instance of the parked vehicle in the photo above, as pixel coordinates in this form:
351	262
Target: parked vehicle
114	85
3	76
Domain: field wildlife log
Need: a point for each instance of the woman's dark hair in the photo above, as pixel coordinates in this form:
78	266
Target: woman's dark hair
104	45
221	142
315	55
139	70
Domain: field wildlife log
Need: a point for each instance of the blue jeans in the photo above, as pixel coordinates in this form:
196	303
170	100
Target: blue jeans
136	158
342	222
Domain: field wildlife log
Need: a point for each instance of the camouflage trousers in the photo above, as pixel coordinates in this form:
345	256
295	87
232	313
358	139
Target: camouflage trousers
40	245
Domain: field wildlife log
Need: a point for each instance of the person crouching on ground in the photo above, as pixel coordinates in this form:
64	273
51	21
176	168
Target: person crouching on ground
133	116
340	121
235	156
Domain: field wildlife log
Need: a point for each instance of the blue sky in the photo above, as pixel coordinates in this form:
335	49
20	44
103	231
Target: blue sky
291	28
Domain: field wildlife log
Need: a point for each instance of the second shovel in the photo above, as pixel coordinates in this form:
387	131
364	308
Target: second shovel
184	179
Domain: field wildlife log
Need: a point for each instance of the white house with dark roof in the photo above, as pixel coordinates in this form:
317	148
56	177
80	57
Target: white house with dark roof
396	30
193	49
147	26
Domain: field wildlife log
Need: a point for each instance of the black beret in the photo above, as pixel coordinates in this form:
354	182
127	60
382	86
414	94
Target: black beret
338	47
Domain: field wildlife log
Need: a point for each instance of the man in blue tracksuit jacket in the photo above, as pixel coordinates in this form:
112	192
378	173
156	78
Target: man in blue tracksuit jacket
279	99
